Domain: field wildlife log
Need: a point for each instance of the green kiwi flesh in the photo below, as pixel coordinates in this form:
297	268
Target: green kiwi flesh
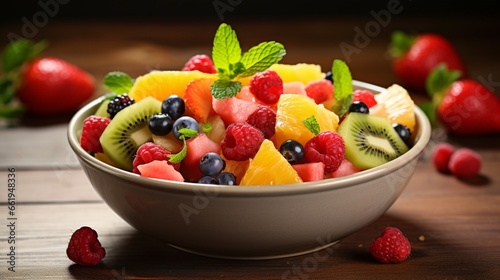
128	130
370	140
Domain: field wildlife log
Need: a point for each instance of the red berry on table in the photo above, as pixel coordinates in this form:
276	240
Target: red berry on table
264	119
320	90
267	86
391	246
416	56
200	62
241	142
441	156
84	248
53	86
364	96
327	147
465	163
93	126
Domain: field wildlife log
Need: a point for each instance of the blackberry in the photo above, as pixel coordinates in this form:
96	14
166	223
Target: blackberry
119	103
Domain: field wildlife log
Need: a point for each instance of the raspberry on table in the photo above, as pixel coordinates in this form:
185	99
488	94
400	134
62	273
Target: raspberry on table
441	156
465	163
364	96
84	248
93	126
267	86
241	142
327	147
148	152
391	246
200	62
119	103
320	90
264	119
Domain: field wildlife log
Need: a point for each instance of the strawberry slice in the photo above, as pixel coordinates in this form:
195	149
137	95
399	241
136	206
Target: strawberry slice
198	99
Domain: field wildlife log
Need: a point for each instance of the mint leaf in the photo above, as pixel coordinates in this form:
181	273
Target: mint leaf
261	57
18	52
342	82
186	133
312	124
118	82
225	88
226	50
176	158
207	127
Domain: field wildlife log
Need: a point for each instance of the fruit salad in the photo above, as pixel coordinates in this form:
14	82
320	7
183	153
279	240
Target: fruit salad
246	119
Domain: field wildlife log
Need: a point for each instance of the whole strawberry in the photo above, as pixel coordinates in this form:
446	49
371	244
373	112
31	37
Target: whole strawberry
53	86
414	57
391	246
463	107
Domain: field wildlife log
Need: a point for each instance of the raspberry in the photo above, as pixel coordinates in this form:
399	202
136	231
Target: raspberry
84	248
441	156
465	163
93	126
119	103
264	119
364	96
241	142
391	246
327	147
267	86
320	90
148	152
200	62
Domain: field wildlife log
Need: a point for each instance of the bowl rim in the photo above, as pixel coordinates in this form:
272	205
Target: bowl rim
421	140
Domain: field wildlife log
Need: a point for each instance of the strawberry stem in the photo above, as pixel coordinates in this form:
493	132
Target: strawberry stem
400	43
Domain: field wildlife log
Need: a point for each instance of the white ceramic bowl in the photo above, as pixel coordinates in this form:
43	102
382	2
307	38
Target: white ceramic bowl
251	222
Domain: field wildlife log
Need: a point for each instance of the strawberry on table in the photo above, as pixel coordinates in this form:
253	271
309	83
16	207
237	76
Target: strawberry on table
463	107
414	57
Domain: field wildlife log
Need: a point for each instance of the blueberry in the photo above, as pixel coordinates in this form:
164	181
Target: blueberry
359	107
211	164
160	124
208	180
226	178
173	106
403	132
292	150
329	76
184	122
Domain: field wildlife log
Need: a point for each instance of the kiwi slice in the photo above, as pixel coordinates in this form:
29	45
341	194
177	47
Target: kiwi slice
128	130
370	140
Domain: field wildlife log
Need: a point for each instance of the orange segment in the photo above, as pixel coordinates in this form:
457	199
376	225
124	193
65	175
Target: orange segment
237	167
302	72
396	104
162	84
292	110
269	167
198	99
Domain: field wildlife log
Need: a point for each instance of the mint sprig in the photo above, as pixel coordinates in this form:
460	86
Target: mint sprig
342	82
311	123
185	133
118	82
231	63
13	57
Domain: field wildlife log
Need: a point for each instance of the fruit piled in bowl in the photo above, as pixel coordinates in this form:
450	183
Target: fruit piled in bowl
248	120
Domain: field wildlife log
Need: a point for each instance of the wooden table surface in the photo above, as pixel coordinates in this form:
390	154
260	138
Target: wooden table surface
453	225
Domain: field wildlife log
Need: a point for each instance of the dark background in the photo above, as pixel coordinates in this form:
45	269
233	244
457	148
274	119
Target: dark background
187	10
